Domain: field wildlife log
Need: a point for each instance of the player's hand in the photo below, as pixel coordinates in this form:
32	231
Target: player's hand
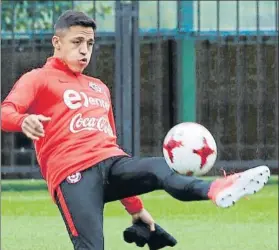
32	126
146	217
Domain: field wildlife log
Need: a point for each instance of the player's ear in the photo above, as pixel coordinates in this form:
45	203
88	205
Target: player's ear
56	42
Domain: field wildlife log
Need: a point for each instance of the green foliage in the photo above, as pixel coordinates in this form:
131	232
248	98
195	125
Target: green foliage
36	16
39	16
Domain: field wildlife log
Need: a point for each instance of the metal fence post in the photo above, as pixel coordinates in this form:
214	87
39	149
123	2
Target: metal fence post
127	76
187	63
118	78
136	79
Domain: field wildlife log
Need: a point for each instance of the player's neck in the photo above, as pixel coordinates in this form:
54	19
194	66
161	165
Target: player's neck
56	54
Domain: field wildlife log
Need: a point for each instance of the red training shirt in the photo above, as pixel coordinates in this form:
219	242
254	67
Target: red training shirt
81	132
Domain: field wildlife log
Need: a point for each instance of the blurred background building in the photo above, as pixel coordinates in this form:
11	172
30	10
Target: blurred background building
213	62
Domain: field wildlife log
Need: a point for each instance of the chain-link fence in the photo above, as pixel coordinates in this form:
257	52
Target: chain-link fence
236	70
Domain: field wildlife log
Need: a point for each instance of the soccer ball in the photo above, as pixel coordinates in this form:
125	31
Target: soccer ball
190	149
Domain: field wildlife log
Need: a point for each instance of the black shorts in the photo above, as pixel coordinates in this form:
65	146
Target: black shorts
82	196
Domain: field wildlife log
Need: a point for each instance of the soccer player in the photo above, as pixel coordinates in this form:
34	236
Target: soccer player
69	117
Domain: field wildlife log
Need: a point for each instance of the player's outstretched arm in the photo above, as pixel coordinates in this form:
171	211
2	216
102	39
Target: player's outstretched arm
14	109
32	126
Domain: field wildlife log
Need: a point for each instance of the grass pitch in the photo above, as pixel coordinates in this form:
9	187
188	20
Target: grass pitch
30	221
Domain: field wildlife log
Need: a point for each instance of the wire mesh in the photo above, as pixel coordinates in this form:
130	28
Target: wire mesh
238	90
236	69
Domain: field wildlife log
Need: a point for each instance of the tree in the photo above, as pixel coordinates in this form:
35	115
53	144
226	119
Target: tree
39	16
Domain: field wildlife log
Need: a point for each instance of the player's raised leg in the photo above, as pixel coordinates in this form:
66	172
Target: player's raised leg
130	176
134	176
80	201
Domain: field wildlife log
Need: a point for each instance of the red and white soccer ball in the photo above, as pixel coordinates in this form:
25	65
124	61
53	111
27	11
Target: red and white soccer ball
190	149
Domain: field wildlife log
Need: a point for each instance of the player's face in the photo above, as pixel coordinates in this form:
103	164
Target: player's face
76	46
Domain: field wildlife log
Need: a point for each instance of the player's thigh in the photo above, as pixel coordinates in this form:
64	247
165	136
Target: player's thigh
134	176
80	201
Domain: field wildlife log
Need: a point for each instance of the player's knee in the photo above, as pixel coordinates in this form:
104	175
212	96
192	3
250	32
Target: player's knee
179	187
153	181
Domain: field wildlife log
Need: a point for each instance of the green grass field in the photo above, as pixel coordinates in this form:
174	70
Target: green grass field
30	221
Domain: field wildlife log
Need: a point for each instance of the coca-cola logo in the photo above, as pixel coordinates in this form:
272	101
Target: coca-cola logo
75	100
79	123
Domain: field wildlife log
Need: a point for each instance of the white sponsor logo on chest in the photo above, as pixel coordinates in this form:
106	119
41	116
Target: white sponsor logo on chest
75	100
80	123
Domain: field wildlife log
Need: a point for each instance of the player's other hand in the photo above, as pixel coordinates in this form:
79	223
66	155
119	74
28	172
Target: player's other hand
32	126
146	217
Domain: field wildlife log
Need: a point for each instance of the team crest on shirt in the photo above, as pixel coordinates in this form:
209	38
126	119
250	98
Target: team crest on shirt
95	87
74	178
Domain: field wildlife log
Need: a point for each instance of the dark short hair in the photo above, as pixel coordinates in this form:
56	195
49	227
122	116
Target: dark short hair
74	18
